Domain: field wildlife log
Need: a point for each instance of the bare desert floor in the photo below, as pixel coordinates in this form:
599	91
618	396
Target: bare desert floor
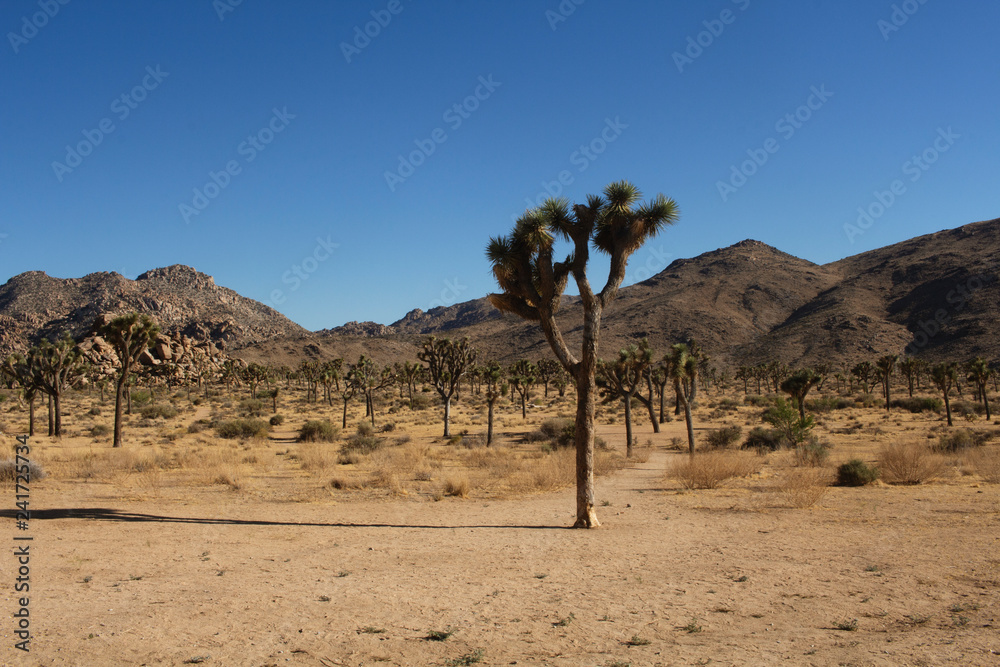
259	560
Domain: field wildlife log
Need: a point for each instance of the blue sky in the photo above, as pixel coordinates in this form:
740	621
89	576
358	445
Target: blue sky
341	176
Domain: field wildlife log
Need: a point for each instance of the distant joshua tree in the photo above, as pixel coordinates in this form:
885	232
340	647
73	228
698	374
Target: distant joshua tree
60	363
943	376
496	387
130	335
684	371
979	375
883	371
532	285
621	379
23	369
548	369
522	376
908	367
797	386
447	361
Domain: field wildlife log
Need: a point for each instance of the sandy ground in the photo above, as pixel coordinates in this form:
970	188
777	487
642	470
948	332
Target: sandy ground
672	578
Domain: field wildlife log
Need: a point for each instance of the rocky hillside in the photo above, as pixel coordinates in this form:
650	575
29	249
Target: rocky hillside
184	302
936	296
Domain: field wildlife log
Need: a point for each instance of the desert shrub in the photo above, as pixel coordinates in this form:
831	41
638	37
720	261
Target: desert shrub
856	473
95	411
98	430
365	428
421	402
361	444
909	463
763	439
567	437
342	483
758	401
918	404
314	458
986	463
552	428
813	452
456	486
967	409
388	427
9	472
159	411
318	431
960	439
198	426
251	407
721	438
828	403
276	420
869	401
710	469
243	429
784	417
801	487
141	396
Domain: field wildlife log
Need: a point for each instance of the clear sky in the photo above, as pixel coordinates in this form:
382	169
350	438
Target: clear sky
339	175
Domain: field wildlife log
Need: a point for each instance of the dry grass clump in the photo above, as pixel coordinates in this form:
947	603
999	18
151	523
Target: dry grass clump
986	463
909	463
243	429
710	469
457	486
315	458
802	487
318	431
9	470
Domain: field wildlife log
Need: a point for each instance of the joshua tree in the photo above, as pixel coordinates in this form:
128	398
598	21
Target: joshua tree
409	373
368	379
532	286
547	371
908	366
59	364
863	372
979	374
130	335
347	390
493	378
523	375
659	377
684	371
620	380
23	369
255	374
797	385
943	376
447	361
883	369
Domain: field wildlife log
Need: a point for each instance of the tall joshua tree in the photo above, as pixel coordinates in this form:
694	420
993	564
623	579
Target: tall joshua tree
24	370
523	375
943	376
447	361
532	285
908	366
130	335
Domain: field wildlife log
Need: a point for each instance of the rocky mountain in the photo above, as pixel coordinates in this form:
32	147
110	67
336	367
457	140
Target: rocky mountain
936	296
183	301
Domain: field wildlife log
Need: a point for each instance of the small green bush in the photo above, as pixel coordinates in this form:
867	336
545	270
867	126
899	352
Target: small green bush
869	401
758	401
361	444
95	411
318	431
554	427
856	473
813	452
828	403
159	411
763	439
918	404
366	429
242	428
98	430
961	439
251	407
721	438
141	396
276	420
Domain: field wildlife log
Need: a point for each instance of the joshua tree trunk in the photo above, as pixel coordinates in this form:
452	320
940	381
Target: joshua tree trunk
343	422
586	390
629	440
120	389
489	422
947	408
447	417
31	416
690	427
52	422
57	406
